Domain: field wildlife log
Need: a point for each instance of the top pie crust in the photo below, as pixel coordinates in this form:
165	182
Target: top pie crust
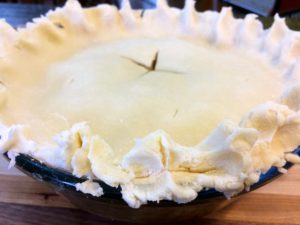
163	104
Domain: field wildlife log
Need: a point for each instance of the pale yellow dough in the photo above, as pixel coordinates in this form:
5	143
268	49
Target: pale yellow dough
193	88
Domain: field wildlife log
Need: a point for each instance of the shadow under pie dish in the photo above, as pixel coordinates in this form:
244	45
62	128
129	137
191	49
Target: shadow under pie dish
161	104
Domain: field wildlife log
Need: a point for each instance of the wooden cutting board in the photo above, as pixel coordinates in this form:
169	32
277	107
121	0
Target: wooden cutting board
23	199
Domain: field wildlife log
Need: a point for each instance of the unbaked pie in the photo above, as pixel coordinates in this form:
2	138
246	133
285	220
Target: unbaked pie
162	103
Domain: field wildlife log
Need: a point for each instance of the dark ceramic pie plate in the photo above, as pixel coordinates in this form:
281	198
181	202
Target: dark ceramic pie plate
111	205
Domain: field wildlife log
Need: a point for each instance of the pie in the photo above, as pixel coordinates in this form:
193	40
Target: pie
162	103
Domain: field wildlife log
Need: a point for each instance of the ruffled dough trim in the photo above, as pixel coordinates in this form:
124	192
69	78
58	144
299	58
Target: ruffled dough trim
230	159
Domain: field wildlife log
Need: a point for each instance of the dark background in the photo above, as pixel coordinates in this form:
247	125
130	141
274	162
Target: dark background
261	7
201	4
18	12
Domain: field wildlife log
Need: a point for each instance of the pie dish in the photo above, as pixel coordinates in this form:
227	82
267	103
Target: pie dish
111	206
162	103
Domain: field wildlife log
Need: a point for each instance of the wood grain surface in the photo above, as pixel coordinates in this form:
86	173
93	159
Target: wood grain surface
25	201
